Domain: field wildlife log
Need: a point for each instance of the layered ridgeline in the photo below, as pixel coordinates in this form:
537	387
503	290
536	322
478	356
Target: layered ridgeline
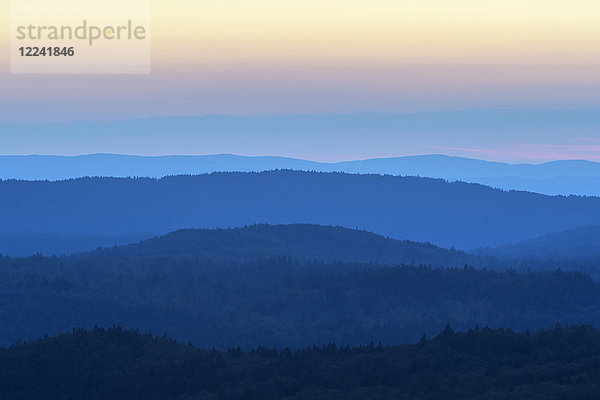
561	363
300	242
564	177
427	210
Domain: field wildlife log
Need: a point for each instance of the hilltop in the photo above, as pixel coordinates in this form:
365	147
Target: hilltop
301	242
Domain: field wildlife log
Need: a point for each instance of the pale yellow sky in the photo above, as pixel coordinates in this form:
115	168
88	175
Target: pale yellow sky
299	56
425	31
441	31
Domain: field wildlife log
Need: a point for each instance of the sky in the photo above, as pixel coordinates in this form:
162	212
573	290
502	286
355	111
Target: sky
328	57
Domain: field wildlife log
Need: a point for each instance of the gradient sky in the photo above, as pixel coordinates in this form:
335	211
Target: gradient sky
295	57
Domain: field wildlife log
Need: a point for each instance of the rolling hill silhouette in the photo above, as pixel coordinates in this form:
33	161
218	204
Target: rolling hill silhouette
301	242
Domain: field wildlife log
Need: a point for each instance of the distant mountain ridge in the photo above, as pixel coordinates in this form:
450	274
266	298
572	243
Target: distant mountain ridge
301	242
564	177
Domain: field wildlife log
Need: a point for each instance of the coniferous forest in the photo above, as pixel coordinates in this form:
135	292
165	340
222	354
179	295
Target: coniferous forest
302	311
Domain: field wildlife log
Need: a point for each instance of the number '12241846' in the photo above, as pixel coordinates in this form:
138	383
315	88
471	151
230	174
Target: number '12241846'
46	51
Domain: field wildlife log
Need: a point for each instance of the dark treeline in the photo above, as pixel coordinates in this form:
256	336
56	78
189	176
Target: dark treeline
561	363
280	302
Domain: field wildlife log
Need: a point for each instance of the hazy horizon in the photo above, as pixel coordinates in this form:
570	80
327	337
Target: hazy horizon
277	156
512	136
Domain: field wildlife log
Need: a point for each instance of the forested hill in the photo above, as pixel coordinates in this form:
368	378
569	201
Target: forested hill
420	209
302	242
561	363
573	244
